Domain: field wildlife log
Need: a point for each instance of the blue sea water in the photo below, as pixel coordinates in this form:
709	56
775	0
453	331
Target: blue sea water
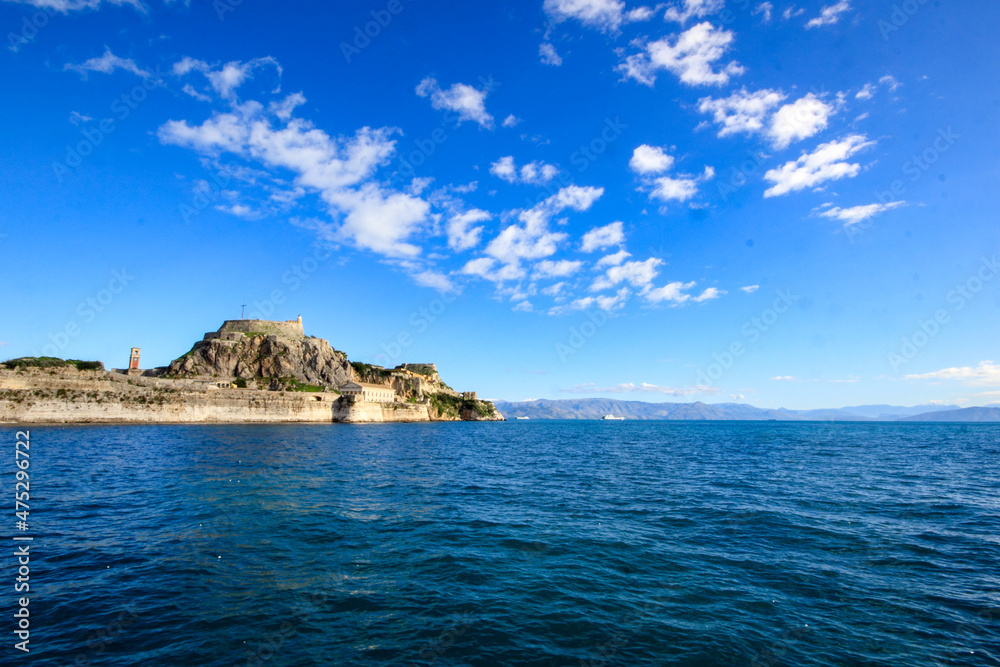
518	543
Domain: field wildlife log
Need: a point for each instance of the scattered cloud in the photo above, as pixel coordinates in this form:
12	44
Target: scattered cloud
226	79
827	163
613	260
648	159
629	388
600	238
66	6
511	121
637	274
463	231
561	269
750	289
856	214
987	374
468	102
758	112
435	280
604	15
830	14
764	9
548	54
783	378
78	118
535	173
693	9
692	56
106	64
531	238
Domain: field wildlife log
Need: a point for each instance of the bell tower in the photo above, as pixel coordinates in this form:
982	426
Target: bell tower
133	362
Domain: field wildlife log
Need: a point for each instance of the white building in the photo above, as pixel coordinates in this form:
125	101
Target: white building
374	393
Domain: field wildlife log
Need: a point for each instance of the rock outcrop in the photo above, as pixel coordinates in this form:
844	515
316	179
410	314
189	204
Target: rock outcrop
263	359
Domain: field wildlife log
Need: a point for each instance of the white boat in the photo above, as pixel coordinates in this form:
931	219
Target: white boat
517	418
613	418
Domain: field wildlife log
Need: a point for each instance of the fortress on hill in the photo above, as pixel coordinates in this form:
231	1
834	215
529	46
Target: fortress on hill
246	371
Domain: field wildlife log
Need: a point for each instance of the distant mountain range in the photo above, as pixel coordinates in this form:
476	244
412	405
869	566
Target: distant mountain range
595	408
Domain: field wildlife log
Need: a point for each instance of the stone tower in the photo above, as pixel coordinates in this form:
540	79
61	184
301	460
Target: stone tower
133	362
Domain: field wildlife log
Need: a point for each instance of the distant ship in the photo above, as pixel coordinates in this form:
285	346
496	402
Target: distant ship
613	418
522	417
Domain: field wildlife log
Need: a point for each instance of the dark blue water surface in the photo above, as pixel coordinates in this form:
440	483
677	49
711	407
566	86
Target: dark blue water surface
519	543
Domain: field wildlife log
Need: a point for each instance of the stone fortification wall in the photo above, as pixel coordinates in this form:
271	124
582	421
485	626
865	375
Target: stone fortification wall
292	330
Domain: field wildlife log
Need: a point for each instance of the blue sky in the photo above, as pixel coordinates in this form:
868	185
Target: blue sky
772	203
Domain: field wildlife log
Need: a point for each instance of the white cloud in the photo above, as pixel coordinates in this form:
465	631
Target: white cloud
709	294
78	118
468	102
764	8
830	14
548	54
66	6
987	374
691	56
648	159
890	81
285	108
866	93
856	214
531	239
800	120
676	293
561	269
693	9
637	274
227	78
609	303
463	233
604	15
339	169
742	111
487	268
792	12
435	280
827	163
511	121
750	289
783	378
667	188
536	173
107	64
603	237
755	113
613	260
629	388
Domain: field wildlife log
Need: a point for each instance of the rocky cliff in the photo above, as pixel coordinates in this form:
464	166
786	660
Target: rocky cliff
265	360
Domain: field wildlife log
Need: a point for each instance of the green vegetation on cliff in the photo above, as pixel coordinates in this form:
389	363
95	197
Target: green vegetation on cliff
52	362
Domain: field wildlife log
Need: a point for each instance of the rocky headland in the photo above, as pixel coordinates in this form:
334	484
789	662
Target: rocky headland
248	371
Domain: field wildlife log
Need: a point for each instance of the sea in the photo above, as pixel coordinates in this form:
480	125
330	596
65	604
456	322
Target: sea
580	543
